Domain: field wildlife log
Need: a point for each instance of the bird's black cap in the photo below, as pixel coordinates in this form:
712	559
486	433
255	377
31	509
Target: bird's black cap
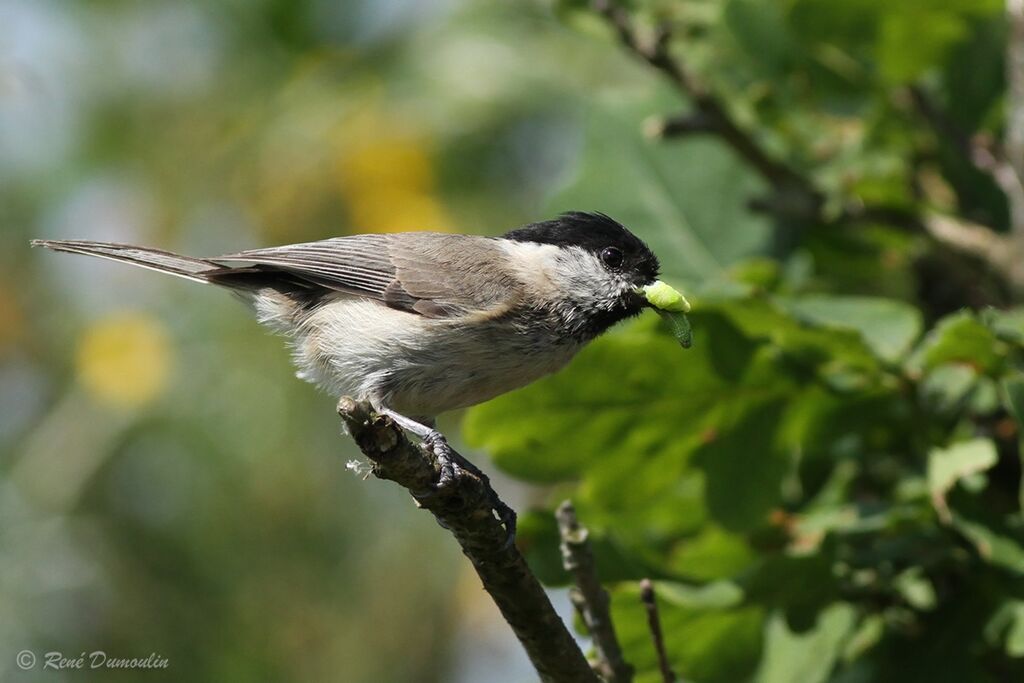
593	232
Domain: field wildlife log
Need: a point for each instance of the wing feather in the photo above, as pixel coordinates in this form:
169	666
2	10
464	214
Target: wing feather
359	263
430	274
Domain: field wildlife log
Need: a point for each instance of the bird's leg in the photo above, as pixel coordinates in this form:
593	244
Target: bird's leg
452	464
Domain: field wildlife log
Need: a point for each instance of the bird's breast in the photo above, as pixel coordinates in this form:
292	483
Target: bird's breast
422	366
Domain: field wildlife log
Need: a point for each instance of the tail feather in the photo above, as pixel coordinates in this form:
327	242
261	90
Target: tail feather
161	261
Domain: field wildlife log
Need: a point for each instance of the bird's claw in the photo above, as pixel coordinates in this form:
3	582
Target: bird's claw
453	466
447	460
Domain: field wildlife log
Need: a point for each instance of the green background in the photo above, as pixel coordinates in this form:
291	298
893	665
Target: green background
825	488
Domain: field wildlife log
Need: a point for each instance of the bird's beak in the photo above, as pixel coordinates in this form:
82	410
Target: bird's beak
670	305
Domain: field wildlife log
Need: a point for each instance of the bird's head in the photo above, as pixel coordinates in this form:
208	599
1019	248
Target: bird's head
601	270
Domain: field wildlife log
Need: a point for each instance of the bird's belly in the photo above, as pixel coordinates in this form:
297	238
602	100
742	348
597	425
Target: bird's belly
416	365
468	377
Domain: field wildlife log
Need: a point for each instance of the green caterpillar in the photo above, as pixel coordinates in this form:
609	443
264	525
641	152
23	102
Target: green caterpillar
672	306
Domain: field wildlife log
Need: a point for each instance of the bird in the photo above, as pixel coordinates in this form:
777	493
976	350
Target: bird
422	323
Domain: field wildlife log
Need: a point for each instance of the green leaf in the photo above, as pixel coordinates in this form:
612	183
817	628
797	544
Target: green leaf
633	405
707	638
1008	324
960	338
807	342
945	388
744	467
687	199
800	586
1015	635
985	399
866	636
947	466
1013	400
996	549
538	539
808	657
1006	628
712	554
916	588
666	441
760	30
715	595
1013	397
888	326
634	391
912	41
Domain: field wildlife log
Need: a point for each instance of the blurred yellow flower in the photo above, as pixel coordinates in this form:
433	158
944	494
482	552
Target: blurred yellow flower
387	179
378	161
124	359
395	211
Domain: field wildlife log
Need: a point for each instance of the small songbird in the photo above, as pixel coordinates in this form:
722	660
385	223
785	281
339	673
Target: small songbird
421	323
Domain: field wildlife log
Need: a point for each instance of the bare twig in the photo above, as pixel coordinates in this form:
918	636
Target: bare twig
982	152
894	216
1003	253
465	510
1014	137
980	241
651	605
1005	165
795	195
711	115
679	125
969	238
987	157
589	598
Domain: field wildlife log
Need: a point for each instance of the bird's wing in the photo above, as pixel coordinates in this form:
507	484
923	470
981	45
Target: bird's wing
435	275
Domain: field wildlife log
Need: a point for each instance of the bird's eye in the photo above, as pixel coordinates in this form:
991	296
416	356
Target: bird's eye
611	257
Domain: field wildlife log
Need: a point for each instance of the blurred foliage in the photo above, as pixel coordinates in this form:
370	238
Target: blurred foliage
827	487
166	484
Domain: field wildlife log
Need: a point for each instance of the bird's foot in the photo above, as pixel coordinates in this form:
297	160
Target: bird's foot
448	460
454	465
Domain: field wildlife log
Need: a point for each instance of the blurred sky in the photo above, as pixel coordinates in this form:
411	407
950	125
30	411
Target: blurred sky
166	484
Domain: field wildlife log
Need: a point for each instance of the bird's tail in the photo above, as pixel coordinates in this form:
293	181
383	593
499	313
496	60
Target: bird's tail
197	270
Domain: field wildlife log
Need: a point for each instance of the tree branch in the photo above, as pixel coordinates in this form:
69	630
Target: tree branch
711	115
984	154
463	508
654	623
1002	252
1014	137
590	598
689	123
795	196
1005	165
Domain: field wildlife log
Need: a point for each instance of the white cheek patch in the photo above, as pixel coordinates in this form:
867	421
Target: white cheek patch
534	265
584	279
570	278
553	272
